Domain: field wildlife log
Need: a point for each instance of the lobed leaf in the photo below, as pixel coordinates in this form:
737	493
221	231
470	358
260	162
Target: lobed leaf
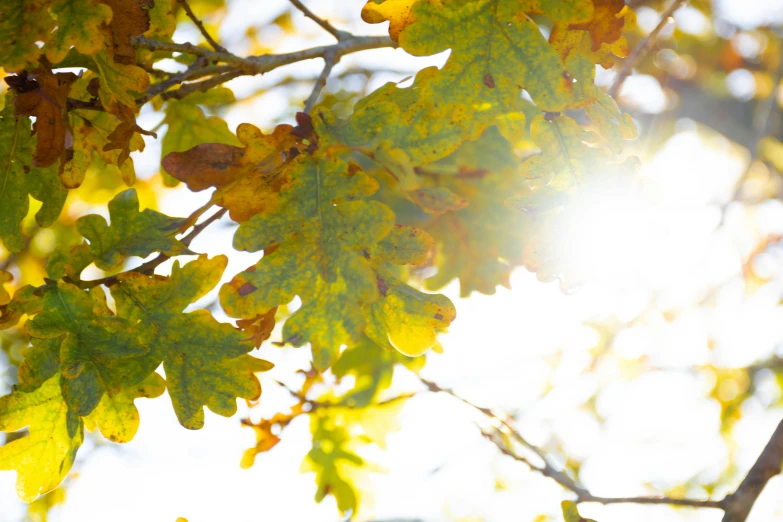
131	233
42	458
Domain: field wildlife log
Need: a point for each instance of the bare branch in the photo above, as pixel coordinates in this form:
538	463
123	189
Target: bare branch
330	60
550	471
205	85
644	46
159	87
738	504
268	62
216	46
329	28
189	48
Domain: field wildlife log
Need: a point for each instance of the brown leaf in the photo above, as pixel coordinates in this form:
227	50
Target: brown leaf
247	178
120	138
606	26
259	328
265	436
130	18
44	95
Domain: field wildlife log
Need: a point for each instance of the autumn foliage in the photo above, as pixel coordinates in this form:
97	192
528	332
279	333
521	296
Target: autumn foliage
363	215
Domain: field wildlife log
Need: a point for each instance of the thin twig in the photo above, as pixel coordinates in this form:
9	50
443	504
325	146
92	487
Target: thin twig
738	504
549	470
159	87
150	266
329	28
216	46
189	48
204	85
314	405
644	46
330	60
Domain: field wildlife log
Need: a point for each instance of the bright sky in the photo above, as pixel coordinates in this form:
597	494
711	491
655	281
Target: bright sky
523	351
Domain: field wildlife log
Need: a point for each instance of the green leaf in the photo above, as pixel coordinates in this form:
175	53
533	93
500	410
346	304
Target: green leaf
116	416
91	344
132	233
417	120
18	180
321	234
329	458
513	55
202	358
78	25
25	301
404	318
43	458
69	261
22	23
120	84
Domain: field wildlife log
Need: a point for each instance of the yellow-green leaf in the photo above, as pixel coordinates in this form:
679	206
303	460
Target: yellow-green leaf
116	416
90	344
42	458
203	359
78	25
18	179
131	233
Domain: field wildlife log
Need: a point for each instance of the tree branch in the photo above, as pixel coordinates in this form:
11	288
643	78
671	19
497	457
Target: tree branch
159	87
216	46
329	28
738	505
550	471
251	65
641	50
330	61
205	85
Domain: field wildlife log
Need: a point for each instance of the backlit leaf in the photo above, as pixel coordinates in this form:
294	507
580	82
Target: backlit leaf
131	233
92	344
116	416
20	179
42	458
203	359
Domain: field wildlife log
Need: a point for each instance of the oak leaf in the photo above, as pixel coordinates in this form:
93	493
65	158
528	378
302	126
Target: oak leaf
116	416
90	343
42	458
78	25
405	319
131	233
44	95
249	179
320	229
204	360
19	179
129	18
